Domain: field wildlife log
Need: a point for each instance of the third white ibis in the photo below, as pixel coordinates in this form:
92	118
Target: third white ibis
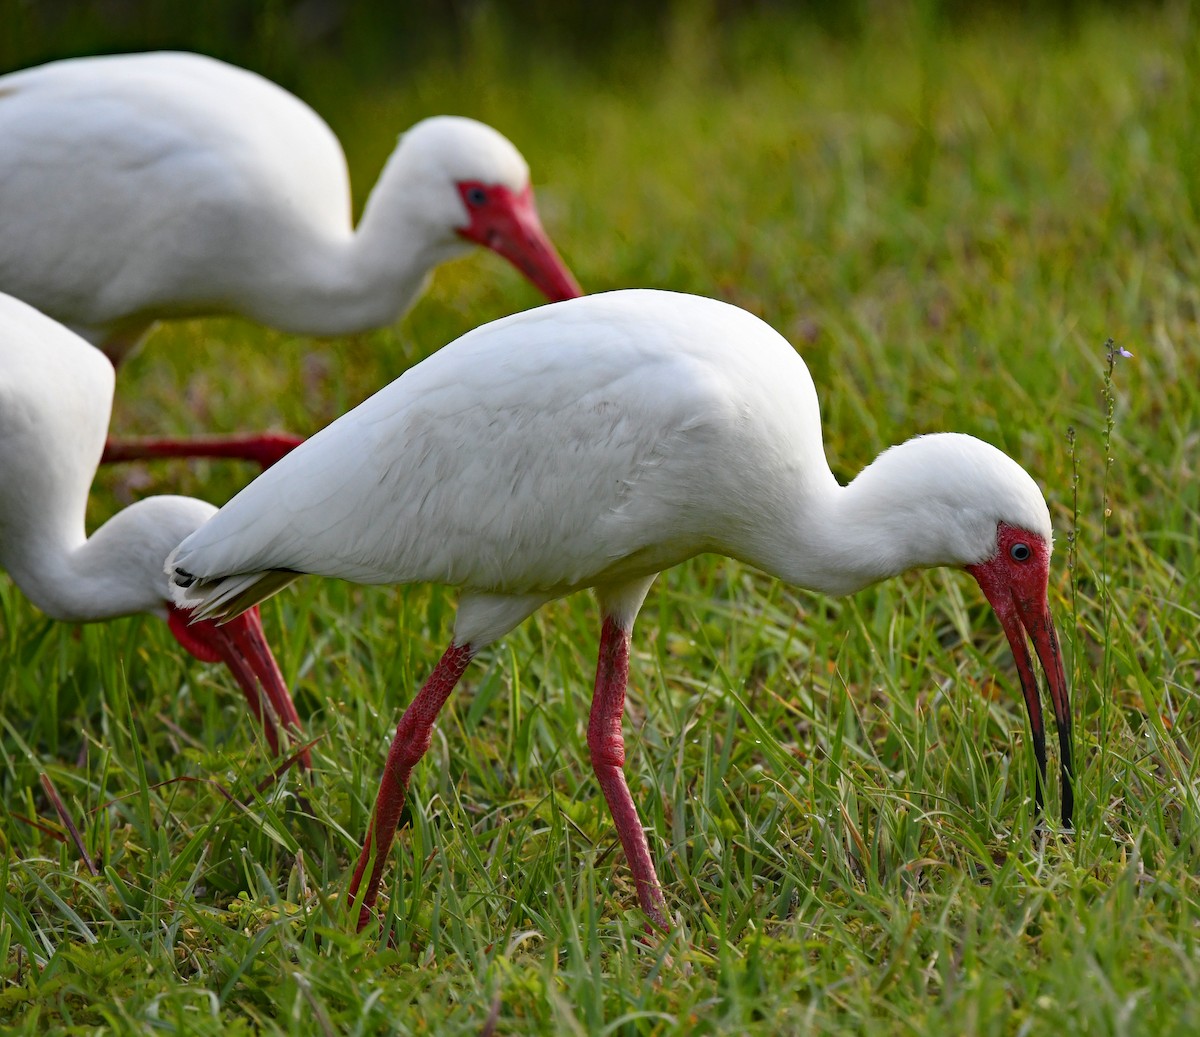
136	187
55	397
593	443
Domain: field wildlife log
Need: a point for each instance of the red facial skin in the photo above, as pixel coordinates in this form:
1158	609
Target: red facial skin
508	224
242	646
1014	580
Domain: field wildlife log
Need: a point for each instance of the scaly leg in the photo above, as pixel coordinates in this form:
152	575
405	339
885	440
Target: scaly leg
607	747
413	736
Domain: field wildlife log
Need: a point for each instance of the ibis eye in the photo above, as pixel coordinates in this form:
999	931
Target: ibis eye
1020	552
476	196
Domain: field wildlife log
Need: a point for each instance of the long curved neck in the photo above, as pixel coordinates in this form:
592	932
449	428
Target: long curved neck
840	539
369	278
42	519
400	234
63	573
117	571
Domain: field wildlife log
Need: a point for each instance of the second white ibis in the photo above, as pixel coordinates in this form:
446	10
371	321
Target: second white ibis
138	187
55	397
593	443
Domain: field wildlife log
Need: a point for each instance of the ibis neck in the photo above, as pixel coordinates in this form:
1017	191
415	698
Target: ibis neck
64	575
115	572
844	538
367	278
40	534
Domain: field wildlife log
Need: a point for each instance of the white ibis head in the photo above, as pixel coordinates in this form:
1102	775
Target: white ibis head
954	500
469	177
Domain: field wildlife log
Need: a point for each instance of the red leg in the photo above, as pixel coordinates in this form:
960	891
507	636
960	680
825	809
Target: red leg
607	746
413	735
263	449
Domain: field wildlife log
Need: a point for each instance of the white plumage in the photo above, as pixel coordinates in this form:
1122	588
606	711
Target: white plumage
137	187
599	442
55	397
593	443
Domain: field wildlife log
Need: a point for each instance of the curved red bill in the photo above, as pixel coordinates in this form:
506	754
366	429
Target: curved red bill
1017	592
241	644
508	224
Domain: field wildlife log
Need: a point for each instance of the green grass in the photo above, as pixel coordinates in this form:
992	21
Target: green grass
948	222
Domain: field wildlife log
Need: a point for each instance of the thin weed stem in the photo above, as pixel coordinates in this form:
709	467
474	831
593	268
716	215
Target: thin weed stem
1112	353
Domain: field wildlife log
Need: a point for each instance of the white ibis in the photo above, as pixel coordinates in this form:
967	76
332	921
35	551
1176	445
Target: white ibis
593	443
55	397
137	187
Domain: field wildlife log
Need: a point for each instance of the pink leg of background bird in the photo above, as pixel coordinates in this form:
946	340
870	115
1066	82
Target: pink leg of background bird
263	449
607	745
413	735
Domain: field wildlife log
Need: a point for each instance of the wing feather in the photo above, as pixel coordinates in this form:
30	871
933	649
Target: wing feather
538	454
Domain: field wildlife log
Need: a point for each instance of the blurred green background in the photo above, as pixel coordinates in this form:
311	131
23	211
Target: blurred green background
280	39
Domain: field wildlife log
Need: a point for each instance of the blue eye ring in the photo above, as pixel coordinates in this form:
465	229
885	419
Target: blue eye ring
476	196
1020	552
